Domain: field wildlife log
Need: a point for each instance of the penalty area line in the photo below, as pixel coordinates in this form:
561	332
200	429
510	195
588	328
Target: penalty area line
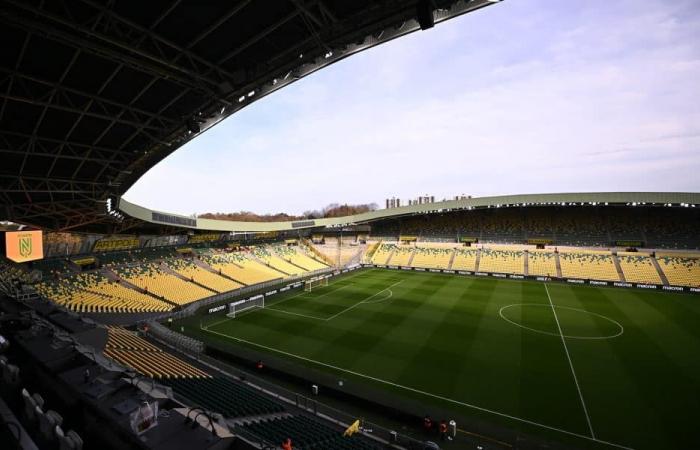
363	301
418	391
294	314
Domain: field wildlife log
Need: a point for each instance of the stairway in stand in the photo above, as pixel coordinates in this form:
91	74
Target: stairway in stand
618	268
165	268
662	275
410	258
526	270
452	258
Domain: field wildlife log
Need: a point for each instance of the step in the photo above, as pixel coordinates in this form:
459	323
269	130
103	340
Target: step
558	264
452	259
410	258
620	273
662	275
295	265
391	255
113	276
206	266
165	268
526	255
247	420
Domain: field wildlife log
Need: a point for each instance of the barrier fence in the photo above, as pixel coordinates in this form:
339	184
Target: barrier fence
620	284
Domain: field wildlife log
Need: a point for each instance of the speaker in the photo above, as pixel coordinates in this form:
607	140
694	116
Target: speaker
424	14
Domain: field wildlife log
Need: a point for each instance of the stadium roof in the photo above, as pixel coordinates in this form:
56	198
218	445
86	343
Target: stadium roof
632	199
94	93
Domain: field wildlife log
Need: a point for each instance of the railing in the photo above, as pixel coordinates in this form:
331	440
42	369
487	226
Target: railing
177	340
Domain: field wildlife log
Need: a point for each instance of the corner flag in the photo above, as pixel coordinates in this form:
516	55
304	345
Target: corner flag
352	429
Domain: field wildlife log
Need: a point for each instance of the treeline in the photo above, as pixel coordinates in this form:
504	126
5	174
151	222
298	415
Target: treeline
337	210
332	210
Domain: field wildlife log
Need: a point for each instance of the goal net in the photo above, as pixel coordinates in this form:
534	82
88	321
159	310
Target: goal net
314	283
237	308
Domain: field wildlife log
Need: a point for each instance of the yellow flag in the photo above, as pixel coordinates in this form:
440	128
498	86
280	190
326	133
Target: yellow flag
354	428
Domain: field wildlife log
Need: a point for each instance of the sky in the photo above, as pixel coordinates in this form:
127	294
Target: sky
525	96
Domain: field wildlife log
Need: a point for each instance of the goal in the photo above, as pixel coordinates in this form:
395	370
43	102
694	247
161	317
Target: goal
314	283
237	308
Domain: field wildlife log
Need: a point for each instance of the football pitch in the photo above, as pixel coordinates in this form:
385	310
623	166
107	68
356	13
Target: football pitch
594	367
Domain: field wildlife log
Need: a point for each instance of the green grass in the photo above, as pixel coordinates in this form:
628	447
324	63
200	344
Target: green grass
443	339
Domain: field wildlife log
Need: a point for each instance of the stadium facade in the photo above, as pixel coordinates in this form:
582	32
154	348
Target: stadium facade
593	199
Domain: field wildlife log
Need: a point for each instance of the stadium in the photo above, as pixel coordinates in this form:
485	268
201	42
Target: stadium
530	321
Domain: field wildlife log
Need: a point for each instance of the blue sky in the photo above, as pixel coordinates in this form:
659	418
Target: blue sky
525	96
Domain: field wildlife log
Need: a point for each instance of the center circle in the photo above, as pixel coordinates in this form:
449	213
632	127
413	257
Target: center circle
571	320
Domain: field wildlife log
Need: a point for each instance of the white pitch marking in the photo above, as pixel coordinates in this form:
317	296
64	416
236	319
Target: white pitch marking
330	292
571	365
303	293
439	397
215	323
372	302
329	284
363	301
619	325
294	314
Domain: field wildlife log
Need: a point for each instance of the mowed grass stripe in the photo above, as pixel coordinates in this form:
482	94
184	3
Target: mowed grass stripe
644	394
544	372
439	339
301	335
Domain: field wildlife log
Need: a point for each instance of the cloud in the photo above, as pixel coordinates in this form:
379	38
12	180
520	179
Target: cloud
520	97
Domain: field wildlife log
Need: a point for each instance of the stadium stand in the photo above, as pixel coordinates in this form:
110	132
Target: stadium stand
542	263
240	268
432	257
225	396
681	271
134	257
94	293
564	225
300	259
307	433
192	271
132	351
383	253
401	256
151	278
53	267
331	251
502	261
588	265
465	259
638	268
676	233
265	254
11	271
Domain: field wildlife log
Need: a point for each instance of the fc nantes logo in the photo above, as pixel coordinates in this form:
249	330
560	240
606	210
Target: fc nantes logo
25	246
22	246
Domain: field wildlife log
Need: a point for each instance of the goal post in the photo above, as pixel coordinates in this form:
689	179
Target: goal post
237	308
314	283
